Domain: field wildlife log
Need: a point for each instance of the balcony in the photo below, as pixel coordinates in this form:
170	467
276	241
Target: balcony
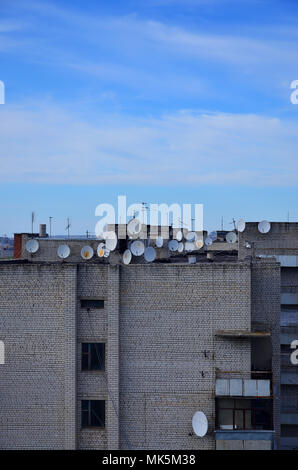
244	384
244	419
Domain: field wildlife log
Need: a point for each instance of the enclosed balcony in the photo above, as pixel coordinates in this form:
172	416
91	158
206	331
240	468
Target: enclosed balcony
244	406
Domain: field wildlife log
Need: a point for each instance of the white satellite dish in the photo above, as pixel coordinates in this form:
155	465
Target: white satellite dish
180	247
63	251
199	244
173	245
231	237
137	248
191	236
150	254
126	258
179	236
159	242
87	252
241	225
134	227
189	246
32	246
264	226
208	241
200	424
106	252
111	240
100	250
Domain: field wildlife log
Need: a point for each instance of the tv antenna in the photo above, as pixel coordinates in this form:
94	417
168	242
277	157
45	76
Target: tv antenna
68	225
50	220
32	221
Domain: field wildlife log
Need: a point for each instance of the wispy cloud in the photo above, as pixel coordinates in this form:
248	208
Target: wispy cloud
51	145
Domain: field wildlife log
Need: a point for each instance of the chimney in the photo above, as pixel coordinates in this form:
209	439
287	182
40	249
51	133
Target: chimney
43	230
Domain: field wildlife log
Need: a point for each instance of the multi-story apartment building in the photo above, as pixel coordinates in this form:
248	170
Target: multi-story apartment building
102	355
281	244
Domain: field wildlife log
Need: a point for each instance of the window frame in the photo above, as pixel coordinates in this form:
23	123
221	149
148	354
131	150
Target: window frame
89	355
89	414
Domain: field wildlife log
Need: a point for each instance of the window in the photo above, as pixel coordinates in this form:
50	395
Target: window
93	356
92	303
93	413
244	414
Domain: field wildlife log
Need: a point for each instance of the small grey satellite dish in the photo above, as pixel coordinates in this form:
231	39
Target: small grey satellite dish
180	247
191	236
264	226
173	245
137	248
192	259
189	246
111	240
86	252
63	251
200	424
159	242
126	258
241	225
32	246
231	237
208	241
179	236
134	227
150	254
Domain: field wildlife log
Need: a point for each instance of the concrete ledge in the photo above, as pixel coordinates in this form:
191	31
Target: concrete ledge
251	435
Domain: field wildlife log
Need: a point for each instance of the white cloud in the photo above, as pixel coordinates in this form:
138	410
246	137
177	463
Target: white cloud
51	145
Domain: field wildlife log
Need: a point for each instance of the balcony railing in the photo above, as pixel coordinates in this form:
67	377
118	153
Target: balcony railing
244	383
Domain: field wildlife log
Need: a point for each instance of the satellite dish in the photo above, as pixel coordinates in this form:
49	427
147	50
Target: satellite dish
159	242
63	251
126	258
86	252
180	247
32	246
137	248
179	236
111	240
200	424
208	241
199	244
191	236
173	245
100	250
150	254
231	237
264	226
134	227
106	252
192	259
241	225
189	246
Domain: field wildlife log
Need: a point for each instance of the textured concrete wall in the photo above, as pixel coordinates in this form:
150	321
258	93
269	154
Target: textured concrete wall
38	380
282	239
168	351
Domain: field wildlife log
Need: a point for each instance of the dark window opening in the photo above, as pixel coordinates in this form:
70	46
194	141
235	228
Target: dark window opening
93	413
93	356
244	414
92	303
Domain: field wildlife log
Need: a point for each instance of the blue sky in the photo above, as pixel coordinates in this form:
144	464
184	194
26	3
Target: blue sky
183	101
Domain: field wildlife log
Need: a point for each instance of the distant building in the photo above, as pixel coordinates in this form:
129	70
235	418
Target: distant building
102	355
